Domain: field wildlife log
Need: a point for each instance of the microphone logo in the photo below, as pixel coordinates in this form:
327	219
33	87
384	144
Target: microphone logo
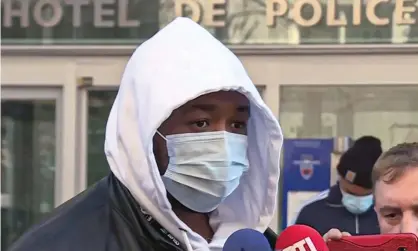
300	246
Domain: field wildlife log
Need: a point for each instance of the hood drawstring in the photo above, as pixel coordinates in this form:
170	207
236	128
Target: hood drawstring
186	239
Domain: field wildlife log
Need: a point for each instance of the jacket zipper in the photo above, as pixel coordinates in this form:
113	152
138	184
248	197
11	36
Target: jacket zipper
356	220
357	224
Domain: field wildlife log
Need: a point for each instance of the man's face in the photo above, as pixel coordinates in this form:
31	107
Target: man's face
396	204
218	111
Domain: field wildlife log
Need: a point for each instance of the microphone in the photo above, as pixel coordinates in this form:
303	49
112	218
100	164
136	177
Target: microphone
246	240
300	238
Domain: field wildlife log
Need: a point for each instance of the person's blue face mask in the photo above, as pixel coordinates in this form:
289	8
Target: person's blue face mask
356	204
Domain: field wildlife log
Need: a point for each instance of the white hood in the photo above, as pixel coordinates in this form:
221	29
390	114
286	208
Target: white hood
180	63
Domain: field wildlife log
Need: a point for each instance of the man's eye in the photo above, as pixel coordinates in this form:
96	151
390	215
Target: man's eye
201	123
239	125
391	216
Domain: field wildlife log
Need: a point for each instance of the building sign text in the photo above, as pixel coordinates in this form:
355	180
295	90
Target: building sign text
213	13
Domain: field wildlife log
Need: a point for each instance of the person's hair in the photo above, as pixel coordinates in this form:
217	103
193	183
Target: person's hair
392	164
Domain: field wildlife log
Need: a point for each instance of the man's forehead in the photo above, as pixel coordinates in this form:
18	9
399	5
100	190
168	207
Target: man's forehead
225	96
401	193
216	99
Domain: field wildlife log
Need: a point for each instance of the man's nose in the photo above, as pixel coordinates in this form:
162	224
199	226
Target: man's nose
221	126
409	224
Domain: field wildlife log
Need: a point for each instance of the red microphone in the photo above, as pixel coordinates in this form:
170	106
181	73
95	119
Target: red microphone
300	238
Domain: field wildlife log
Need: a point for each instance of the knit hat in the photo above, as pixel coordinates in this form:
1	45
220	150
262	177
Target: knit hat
356	164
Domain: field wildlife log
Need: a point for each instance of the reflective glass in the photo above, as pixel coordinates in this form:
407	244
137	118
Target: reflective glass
387	112
99	105
28	150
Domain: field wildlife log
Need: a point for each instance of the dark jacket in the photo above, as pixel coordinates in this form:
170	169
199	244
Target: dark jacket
328	212
104	218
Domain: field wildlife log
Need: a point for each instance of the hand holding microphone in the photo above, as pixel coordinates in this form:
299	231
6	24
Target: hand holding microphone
335	235
343	241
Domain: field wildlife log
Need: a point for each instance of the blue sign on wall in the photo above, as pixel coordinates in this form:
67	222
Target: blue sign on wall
306	167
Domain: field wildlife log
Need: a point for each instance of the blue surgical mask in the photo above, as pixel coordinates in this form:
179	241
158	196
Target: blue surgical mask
357	204
204	168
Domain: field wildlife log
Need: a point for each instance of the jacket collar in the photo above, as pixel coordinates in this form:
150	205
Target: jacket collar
132	223
335	196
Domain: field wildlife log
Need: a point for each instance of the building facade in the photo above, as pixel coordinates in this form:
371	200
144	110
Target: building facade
325	68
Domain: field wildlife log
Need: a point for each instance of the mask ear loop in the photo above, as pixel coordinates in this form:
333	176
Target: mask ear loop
162	136
183	231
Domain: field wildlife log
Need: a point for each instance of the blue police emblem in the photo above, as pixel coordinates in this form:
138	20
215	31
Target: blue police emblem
306	166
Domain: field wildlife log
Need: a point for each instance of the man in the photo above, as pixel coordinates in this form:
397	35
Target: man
395	190
194	154
348	205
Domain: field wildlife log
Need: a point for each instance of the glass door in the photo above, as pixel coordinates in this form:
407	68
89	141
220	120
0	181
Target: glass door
94	108
99	104
29	158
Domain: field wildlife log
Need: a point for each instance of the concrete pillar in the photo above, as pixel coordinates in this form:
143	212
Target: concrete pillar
345	121
312	110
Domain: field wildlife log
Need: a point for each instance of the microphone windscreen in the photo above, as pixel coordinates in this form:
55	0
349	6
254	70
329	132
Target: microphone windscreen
300	237
246	240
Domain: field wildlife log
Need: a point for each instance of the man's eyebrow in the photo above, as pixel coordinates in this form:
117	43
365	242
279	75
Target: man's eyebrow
243	108
386	209
213	107
202	107
415	206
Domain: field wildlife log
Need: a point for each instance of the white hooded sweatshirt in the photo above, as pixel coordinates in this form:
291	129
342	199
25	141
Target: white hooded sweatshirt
180	63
